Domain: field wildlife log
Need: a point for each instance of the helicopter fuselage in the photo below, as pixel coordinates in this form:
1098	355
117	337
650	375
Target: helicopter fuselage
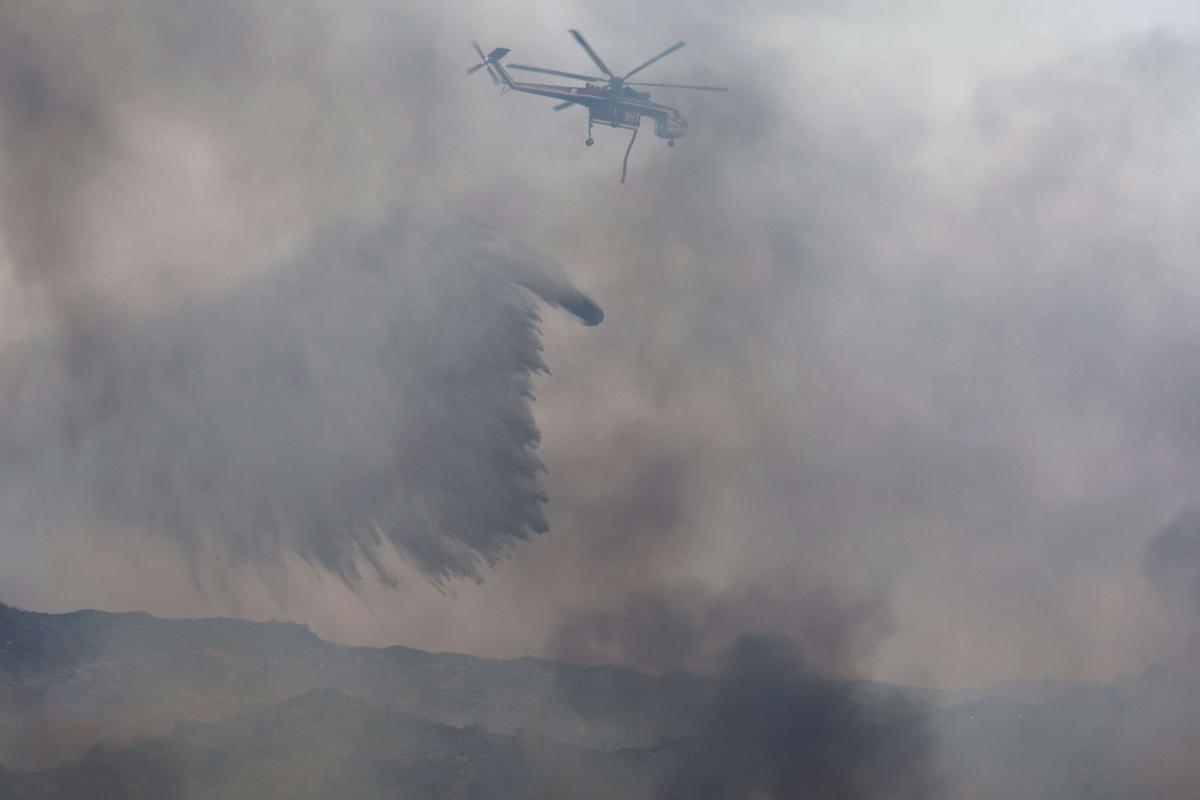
614	106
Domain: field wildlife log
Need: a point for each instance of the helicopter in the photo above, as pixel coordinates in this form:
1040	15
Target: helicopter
609	100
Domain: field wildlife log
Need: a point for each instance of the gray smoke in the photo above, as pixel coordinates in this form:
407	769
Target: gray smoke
1172	561
687	627
895	314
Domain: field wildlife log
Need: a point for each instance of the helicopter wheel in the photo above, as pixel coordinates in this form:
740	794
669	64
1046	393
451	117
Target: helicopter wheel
590	141
670	142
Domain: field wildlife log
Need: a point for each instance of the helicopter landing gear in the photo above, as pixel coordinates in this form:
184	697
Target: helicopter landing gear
590	141
670	142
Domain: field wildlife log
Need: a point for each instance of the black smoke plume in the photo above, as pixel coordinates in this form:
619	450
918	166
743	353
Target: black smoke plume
776	731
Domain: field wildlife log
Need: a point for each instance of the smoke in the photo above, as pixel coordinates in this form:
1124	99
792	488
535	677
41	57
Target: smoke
689	627
784	715
895	314
906	349
1172	562
776	731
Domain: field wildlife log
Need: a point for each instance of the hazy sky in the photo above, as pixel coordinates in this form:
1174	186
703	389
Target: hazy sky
901	355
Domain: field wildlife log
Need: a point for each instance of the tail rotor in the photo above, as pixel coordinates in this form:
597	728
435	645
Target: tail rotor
483	64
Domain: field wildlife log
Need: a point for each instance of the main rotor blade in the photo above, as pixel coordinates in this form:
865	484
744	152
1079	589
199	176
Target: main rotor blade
663	54
583	43
555	72
681	86
561	106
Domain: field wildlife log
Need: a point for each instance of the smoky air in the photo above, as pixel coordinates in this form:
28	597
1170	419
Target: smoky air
363	435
